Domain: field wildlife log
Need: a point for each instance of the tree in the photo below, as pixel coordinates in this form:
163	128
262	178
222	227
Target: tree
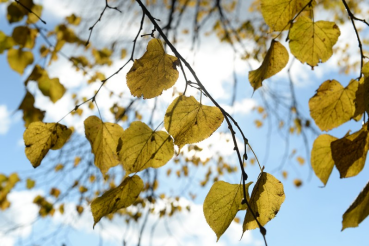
142	146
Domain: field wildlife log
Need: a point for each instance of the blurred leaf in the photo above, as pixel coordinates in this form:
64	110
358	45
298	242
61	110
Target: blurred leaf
18	59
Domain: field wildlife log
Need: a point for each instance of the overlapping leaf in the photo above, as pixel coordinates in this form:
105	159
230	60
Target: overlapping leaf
349	153
333	105
275	60
19	59
143	148
312	42
222	204
358	210
266	200
30	112
188	121
278	13
154	72
40	137
321	157
103	137
120	197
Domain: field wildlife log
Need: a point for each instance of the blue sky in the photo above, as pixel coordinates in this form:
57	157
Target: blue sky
310	215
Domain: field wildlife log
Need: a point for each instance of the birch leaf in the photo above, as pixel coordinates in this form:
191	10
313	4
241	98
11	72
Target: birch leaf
143	148
120	197
188	121
275	60
40	137
154	72
19	59
266	200
321	157
333	105
312	42
103	137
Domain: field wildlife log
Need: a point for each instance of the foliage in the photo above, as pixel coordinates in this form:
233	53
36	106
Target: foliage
187	120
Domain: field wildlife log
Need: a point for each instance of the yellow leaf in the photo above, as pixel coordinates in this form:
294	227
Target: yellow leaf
18	59
297	182
30	183
40	137
15	12
103	137
6	42
300	160
51	88
24	36
321	157
275	60
143	148
32	18
278	13
73	19
266	200
79	209
360	99
188	121
333	105
349	153
358	210
312	42
154	72
221	205
120	197
285	174
55	192
30	113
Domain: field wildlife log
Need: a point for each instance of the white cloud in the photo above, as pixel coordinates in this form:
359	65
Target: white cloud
4	120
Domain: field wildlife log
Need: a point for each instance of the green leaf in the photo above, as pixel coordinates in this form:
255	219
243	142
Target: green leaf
154	72
120	197
275	60
188	121
358	210
222	204
103	137
312	42
333	105
321	157
40	137
19	59
266	200
349	153
143	148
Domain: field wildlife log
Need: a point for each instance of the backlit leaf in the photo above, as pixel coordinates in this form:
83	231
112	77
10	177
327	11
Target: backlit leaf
278	13
266	200
349	153
333	105
188	121
19	59
40	137
312	42
51	88
30	112
358	210
30	183
143	148
120	197
32	18
222	204
24	36
321	157
275	60
360	99
6	42
154	72
103	137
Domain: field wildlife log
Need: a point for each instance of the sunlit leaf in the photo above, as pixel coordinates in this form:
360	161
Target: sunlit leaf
103	137
51	88
6	42
297	182
154	72
30	183
333	105
40	137
349	153
24	36
120	197
275	60
266	200
73	19
143	148
312	42
222	204
321	157
358	210
278	13
19	59
32	18
30	112
188	121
